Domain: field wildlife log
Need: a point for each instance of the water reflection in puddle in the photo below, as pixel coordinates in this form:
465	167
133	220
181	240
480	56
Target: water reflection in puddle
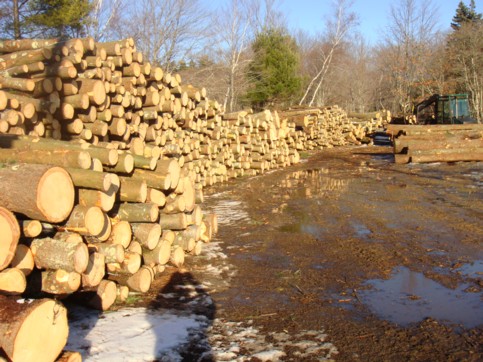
473	270
411	297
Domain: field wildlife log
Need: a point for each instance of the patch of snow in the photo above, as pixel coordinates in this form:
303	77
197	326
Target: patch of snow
273	355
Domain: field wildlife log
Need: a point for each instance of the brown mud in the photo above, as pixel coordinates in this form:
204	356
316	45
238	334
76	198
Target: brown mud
386	259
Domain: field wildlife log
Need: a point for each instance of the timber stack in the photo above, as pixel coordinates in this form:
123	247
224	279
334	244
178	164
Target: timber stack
437	143
104	158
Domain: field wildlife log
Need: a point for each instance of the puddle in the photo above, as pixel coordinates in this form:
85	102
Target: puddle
360	229
410	297
472	270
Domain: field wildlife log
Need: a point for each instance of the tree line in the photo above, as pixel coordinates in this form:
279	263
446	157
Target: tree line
246	56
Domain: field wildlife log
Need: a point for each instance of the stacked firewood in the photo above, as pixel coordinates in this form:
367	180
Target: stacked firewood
437	143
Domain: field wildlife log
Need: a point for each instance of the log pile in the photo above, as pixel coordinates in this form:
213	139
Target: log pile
104	158
437	143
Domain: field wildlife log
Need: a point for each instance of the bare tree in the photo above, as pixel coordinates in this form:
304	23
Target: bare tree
166	30
407	46
337	30
105	18
234	32
465	52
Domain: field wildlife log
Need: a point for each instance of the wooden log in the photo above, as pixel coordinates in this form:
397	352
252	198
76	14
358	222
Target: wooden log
177	257
101	199
60	282
101	297
173	221
23	259
147	234
140	281
134	212
24	57
154	180
135	247
9	236
51	192
12	281
446	155
95	270
85	220
121	233
113	253
101	181
55	254
62	158
132	190
122	293
33	331
156	197
130	264
31	228
159	255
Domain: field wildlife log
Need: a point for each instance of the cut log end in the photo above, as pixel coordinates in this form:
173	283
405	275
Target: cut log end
55	192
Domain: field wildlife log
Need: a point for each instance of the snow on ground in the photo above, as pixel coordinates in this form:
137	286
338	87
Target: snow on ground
141	334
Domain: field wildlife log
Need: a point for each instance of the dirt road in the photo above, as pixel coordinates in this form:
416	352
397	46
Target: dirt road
345	256
385	259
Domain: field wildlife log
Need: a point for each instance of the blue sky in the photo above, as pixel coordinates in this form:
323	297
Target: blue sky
309	15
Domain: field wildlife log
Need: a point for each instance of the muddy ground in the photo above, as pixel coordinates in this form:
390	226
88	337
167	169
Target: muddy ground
349	256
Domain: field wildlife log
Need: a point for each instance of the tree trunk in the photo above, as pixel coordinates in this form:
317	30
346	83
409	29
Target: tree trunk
60	282
148	234
35	331
23	259
50	195
95	270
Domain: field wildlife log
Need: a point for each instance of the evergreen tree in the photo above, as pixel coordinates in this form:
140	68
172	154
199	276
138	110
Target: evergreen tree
465	14
59	18
272	73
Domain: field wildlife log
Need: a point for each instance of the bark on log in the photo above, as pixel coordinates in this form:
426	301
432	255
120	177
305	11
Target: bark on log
101	297
86	220
60	282
55	254
9	236
50	195
134	212
148	234
35	331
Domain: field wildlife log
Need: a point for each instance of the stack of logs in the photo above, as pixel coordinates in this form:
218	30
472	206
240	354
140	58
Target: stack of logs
103	160
437	143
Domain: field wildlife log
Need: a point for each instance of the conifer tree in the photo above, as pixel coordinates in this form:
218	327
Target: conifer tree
465	14
273	71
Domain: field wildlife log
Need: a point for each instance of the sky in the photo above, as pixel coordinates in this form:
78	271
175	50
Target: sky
310	15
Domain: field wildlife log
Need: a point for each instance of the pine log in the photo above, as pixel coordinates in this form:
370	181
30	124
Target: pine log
121	233
148	234
101	297
90	179
159	255
130	264
132	190
35	331
12	281
51	192
23	259
60	282
156	197
95	270
86	220
9	236
134	212
173	221
63	158
177	257
122	293
113	253
55	254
